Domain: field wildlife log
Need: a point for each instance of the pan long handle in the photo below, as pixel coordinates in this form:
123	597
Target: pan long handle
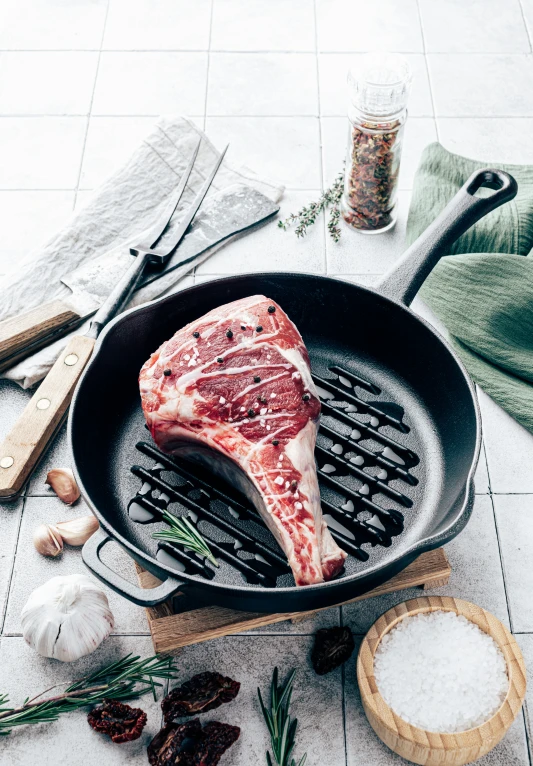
406	277
149	597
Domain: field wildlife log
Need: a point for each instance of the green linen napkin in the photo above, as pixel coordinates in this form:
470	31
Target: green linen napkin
483	290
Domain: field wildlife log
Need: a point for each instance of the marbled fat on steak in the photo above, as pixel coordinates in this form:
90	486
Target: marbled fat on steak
238	382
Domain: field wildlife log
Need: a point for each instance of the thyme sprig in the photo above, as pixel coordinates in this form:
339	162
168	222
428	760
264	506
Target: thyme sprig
182	532
281	728
309	213
127	678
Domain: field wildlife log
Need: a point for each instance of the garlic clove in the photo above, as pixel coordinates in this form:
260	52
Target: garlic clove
64	484
77	531
47	540
67	617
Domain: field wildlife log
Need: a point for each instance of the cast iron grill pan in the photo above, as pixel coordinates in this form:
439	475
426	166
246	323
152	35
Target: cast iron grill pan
381	370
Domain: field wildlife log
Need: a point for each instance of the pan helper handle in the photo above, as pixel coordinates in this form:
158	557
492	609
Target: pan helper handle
406	277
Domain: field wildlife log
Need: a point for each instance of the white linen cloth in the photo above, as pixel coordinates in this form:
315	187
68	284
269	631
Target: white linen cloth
127	204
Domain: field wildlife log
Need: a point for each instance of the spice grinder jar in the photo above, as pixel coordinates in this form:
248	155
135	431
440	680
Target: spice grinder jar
379	85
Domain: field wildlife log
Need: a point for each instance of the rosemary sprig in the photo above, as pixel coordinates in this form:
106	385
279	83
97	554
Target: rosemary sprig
182	532
127	678
308	214
281	729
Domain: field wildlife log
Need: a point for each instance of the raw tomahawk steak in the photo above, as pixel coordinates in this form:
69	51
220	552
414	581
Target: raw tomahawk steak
234	390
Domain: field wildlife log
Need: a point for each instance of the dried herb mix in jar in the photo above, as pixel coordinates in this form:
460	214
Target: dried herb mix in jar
379	88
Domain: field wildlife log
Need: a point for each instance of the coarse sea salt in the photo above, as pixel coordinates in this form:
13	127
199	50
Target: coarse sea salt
440	672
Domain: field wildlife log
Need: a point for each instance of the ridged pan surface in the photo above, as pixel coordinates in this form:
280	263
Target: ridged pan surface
398	409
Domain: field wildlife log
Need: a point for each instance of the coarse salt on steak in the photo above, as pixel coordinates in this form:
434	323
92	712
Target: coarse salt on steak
237	382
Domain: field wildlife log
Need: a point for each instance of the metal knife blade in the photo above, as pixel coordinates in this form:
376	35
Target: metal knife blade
231	211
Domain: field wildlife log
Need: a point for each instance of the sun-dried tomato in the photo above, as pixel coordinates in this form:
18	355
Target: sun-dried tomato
188	744
120	722
217	738
203	692
174	744
332	647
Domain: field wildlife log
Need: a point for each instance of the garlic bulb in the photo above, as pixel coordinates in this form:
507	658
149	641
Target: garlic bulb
64	484
67	618
47	540
77	531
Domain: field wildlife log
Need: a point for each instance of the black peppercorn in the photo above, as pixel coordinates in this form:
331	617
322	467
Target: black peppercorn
275	442
271	309
167	373
243	327
196	334
229	334
294	485
306	397
257	379
262	399
259	328
219	359
251	413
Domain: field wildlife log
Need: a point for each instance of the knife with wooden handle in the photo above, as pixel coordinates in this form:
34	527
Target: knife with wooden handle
26	333
42	416
228	213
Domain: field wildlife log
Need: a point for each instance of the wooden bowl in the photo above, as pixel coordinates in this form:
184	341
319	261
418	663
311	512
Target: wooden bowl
429	748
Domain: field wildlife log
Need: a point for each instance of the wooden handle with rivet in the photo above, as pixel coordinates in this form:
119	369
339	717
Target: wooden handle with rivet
26	443
25	333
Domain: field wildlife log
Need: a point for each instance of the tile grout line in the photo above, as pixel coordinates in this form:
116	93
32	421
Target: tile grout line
12	568
208	61
502	564
91	106
192	273
426	66
525	24
320	143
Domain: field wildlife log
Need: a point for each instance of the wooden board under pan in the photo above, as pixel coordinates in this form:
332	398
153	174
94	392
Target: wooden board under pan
172	629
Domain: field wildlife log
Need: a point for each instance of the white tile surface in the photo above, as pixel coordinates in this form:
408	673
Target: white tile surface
419	132
70	740
486	85
498	139
276	25
476	26
32	569
283	148
344	25
358	253
270	84
28	219
141	25
150	83
509	449
41	152
316	700
47	82
514	518
110	142
52	24
271	249
333	71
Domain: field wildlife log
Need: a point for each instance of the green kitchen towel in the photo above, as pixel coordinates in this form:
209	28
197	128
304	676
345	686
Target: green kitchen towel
483	290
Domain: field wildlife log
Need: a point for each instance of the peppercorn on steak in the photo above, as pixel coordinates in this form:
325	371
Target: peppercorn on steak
234	390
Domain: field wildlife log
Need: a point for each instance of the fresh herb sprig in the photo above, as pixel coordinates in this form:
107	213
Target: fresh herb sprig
182	532
127	678
308	214
281	728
